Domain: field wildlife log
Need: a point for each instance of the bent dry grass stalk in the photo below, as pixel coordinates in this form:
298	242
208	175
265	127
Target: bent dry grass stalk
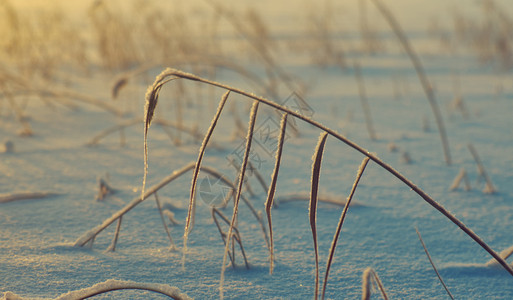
115	285
341	223
173	73
312	212
433	264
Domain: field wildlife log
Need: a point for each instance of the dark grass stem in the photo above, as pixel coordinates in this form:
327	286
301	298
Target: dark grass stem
433	264
249	138
341	222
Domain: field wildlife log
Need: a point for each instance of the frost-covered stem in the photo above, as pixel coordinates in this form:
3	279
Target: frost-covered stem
371	156
272	188
341	222
312	212
421	74
114	285
189	222
242	172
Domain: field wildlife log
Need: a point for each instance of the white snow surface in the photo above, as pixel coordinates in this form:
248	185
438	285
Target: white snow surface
38	259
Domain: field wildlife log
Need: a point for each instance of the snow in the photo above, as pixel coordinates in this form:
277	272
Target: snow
38	256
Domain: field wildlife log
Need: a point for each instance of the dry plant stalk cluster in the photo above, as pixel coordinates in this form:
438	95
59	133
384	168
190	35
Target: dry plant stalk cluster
119	50
231	236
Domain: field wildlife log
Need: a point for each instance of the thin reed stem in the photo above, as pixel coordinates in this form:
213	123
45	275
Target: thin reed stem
189	223
433	264
341	222
114	242
249	138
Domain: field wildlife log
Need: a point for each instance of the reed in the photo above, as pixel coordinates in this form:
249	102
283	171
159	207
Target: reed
171	74
433	265
341	223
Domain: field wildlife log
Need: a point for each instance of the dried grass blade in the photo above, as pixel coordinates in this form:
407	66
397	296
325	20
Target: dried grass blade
433	264
272	188
249	138
192	205
341	222
316	174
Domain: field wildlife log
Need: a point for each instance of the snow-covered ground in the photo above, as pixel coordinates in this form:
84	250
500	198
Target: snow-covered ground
38	259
